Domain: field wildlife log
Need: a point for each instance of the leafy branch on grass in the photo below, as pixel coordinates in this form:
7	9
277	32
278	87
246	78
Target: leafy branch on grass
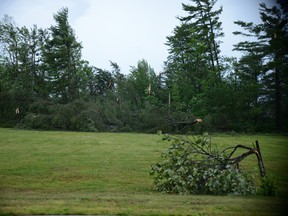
195	166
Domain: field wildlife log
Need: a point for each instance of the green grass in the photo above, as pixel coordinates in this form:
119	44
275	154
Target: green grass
108	173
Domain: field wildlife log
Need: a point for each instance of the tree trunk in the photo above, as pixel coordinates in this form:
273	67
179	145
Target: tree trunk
278	99
260	160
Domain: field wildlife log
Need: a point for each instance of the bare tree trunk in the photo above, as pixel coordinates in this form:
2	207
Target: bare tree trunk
260	160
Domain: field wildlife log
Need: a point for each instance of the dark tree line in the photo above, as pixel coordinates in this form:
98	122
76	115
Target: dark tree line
44	78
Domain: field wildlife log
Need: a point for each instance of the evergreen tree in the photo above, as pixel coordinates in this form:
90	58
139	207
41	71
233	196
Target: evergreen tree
62	58
100	82
185	67
193	66
271	34
206	23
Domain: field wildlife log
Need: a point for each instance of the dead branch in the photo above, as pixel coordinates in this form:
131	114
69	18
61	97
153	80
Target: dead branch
238	159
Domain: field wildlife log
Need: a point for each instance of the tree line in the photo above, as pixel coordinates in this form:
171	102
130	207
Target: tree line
46	84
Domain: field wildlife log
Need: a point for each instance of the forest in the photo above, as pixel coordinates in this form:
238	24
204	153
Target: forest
45	83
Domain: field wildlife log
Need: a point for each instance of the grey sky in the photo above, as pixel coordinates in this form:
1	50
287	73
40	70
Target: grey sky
125	31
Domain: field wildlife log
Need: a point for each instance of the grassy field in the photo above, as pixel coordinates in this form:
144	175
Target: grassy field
108	173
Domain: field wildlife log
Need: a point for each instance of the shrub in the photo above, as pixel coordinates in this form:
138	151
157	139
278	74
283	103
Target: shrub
267	187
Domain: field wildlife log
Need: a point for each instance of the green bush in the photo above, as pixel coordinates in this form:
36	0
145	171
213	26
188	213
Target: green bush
267	187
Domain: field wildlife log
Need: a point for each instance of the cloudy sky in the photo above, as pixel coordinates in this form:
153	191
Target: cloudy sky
126	31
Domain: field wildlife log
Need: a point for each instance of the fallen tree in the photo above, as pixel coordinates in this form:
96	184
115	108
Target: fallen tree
195	166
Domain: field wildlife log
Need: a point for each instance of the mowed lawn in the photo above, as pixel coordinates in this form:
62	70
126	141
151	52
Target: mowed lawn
108	173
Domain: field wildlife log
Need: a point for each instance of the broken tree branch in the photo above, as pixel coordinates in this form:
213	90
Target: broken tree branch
238	159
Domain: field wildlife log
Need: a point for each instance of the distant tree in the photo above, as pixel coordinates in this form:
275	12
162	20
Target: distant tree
270	36
62	58
22	77
185	67
206	23
143	80
251	112
193	67
100	82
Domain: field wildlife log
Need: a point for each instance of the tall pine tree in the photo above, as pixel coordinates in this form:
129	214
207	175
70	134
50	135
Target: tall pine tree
271	36
193	65
62	57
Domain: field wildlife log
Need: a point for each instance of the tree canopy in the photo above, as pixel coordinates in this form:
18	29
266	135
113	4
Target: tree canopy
46	84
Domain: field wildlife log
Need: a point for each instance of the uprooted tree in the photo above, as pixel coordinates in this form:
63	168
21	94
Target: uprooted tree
195	166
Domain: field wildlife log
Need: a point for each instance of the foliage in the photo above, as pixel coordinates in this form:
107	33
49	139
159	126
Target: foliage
77	115
43	75
268	186
62	58
195	166
38	121
266	58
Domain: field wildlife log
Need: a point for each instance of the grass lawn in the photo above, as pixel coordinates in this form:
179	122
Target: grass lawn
108	173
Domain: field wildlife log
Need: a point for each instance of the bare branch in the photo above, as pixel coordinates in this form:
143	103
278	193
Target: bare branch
235	148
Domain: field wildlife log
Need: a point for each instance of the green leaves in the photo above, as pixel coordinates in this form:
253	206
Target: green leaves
194	57
194	166
268	187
